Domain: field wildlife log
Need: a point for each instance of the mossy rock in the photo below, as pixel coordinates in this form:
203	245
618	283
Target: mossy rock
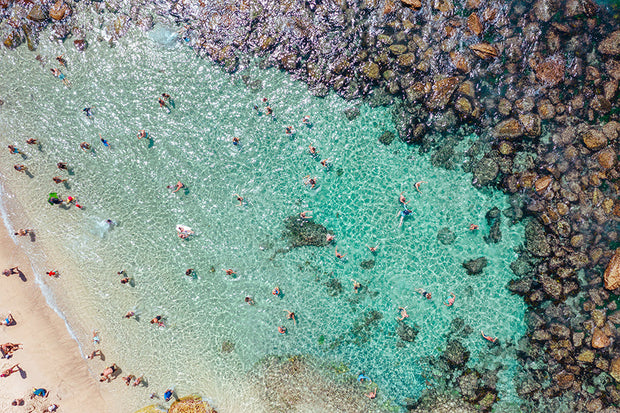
387	138
228	347
304	232
191	404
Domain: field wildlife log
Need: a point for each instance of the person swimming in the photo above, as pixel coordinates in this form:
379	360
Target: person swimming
404	213
105	143
88	112
362	377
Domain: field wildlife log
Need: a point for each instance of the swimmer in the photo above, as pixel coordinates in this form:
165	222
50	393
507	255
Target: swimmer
158	320
239	199
361	377
276	291
403	214
424	293
165	96
249	300
339	255
282	330
291	316
257	109
124	280
110	223
61	59
85	146
142	134
32	141
372	394
105	143
402	200
473	227
59	75
189	272
356	286
308	180
313	150
179	185
450	300
306	120
488	338
62	165
417	185
329	238
306	215
373	249
269	111
20	168
14	150
289	130
168	394
403	313
235	141
130	314
326	163
88	111
128	379
265	101
230	271
58	179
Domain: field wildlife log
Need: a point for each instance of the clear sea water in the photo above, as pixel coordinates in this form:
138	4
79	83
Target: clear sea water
357	199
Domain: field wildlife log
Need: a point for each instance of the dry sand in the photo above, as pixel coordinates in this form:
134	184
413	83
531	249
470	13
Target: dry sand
50	358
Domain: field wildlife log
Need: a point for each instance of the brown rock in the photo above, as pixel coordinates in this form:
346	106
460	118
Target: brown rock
37	14
484	50
504	106
612	272
543	183
506	148
80	44
613	69
551	70
599	339
546	110
611	129
460	61
594	139
586	356
462	105
442	92
414	4
531	124
564	380
371	70
59	10
611	44
614	370
406	60
509	129
607	158
473	24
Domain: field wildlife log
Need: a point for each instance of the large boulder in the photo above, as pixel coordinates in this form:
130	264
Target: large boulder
59	10
508	129
476	266
612	272
614	369
611	44
600	339
485	171
304	232
37	14
442	92
536	240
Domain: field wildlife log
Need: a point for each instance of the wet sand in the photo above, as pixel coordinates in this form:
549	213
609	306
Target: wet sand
49	357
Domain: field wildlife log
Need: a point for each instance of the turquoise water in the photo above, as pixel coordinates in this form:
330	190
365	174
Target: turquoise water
357	199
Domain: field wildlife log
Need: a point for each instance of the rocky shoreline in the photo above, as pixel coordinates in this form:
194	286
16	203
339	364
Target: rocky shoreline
536	80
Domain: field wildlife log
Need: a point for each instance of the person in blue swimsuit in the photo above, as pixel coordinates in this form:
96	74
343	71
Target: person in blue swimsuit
403	214
362	377
105	143
168	395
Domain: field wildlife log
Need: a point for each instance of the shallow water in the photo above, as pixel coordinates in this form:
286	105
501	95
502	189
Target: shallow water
357	199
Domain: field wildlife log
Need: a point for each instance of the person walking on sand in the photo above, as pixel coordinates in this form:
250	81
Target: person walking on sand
291	316
32	141
450	300
11	370
62	166
403	313
58	179
20	168
52	273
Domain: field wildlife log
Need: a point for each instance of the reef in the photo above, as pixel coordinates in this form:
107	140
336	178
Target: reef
536	80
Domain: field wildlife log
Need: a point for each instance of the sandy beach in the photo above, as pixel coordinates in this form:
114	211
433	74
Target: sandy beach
49	357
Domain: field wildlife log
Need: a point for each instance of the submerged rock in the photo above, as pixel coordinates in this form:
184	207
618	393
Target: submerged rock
368	264
611	44
406	332
475	266
387	138
485	171
456	354
493	217
80	44
536	240
352	113
304	232
612	272
446	236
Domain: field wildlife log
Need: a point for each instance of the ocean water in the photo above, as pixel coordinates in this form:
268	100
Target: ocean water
356	199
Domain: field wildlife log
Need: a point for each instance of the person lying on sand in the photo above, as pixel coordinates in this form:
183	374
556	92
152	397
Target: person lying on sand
11	370
8	321
108	372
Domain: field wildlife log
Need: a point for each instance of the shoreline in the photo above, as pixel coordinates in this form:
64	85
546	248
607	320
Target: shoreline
50	357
